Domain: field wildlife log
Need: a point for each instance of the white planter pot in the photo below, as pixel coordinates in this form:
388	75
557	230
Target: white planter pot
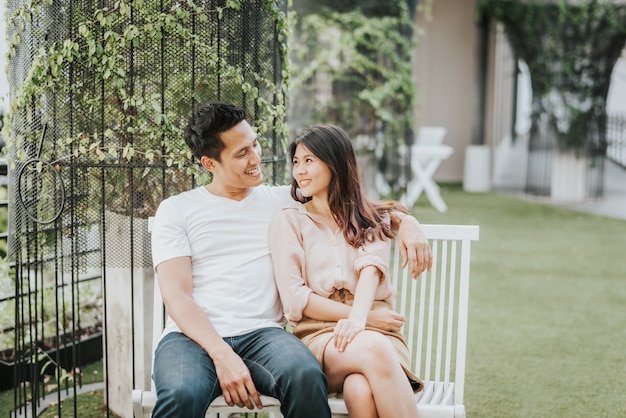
128	303
569	177
477	171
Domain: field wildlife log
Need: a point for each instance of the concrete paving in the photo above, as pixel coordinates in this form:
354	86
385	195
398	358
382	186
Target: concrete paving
509	176
613	203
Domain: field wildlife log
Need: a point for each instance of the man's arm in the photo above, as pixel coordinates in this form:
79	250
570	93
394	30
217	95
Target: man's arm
414	247
176	285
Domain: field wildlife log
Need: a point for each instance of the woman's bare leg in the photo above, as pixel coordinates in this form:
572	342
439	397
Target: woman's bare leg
372	355
358	396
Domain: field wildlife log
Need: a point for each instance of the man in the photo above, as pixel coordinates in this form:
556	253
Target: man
225	333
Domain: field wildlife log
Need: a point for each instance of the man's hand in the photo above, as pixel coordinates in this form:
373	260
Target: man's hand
235	380
385	319
414	247
176	283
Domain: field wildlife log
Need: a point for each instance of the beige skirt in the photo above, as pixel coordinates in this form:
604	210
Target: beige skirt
317	334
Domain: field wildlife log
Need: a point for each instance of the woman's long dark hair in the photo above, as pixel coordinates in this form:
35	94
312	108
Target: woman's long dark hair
359	218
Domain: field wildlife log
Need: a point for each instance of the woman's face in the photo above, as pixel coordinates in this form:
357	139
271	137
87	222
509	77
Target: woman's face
311	173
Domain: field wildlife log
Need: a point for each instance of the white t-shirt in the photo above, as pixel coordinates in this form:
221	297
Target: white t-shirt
233	279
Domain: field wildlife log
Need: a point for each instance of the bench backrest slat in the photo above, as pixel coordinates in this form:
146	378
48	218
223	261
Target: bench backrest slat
436	304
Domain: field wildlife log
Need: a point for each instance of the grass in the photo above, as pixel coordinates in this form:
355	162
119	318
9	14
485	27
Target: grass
547	296
88	405
547	324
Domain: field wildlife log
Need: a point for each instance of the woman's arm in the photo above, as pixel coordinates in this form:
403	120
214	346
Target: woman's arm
288	259
324	309
347	329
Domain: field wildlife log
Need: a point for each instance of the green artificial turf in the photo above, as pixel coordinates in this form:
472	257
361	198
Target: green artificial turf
547	318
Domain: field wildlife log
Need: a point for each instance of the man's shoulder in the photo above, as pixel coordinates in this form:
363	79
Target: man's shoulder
183	198
179	204
279	195
273	190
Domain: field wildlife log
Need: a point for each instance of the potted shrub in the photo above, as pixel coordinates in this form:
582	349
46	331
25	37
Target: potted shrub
570	49
52	353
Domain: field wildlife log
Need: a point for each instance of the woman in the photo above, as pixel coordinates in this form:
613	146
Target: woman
330	252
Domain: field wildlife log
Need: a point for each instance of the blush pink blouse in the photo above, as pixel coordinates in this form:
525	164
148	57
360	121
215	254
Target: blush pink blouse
309	257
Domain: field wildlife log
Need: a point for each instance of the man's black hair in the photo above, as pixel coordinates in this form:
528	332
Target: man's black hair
203	130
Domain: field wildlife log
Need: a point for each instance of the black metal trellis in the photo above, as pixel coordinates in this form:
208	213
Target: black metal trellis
68	285
616	139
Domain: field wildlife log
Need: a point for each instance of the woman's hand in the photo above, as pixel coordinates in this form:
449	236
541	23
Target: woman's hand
414	247
385	319
345	331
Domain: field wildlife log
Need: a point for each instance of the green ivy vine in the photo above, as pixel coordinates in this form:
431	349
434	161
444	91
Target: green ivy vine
145	129
366	61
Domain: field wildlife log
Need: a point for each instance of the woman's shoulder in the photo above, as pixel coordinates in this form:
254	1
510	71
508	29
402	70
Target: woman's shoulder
295	206
293	212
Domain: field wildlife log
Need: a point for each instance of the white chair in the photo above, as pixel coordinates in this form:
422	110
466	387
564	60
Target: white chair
436	308
430	136
426	155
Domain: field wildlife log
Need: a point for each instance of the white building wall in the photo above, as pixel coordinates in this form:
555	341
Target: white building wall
4	85
446	61
616	100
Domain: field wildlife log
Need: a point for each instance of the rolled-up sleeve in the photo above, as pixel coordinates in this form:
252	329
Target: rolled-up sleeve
374	254
287	252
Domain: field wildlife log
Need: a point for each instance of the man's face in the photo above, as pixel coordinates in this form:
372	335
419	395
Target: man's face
240	165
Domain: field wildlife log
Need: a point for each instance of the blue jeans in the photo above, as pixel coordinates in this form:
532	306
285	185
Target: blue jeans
280	365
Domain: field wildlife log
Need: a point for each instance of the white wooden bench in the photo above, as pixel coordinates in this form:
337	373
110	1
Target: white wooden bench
436	308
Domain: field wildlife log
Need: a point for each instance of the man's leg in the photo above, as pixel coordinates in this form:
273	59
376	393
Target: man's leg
284	368
184	377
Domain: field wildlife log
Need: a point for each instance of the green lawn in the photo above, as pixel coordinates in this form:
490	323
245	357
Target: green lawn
88	405
547	324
